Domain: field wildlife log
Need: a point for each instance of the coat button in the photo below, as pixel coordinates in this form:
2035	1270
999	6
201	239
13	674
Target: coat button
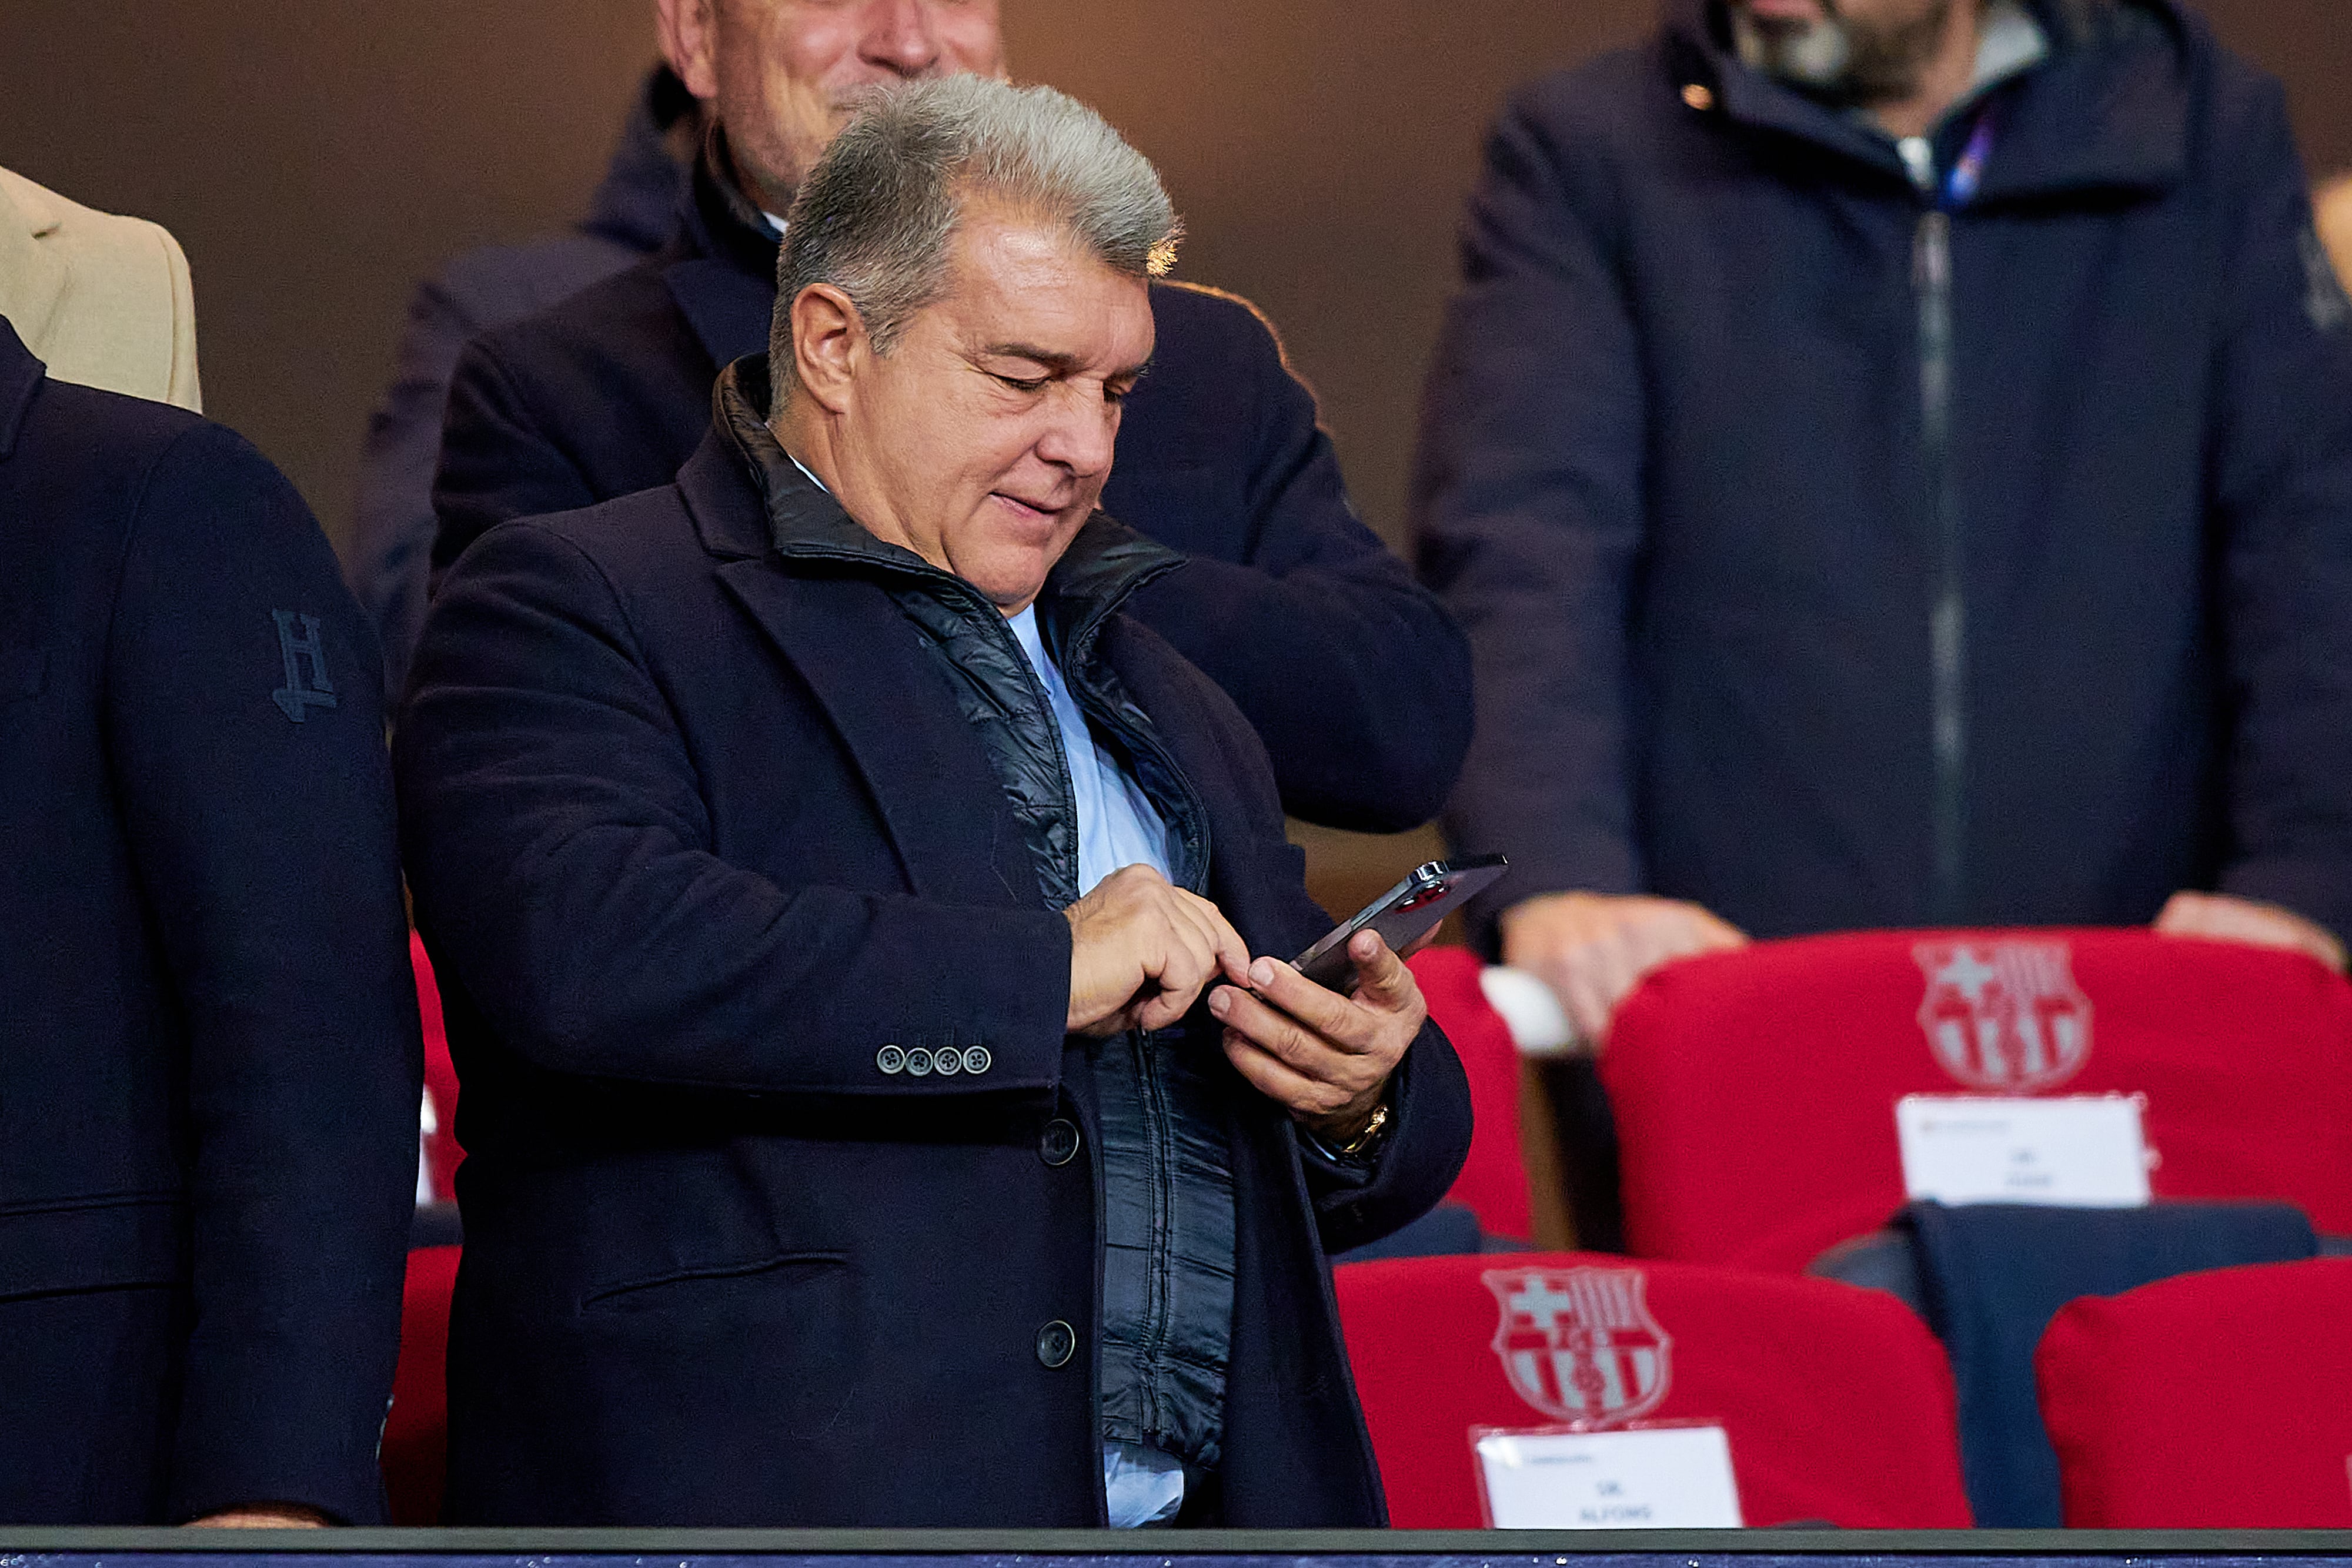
1055	1342
1060	1146
977	1059
919	1062
947	1062
891	1059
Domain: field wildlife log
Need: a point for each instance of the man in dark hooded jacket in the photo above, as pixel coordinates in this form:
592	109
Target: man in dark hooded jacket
1894	459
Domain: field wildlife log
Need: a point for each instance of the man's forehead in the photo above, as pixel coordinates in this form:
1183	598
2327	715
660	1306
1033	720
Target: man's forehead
1019	284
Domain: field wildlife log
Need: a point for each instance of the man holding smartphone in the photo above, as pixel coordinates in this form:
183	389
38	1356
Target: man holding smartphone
825	1117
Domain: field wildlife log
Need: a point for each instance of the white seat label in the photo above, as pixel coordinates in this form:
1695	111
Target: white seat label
1648	1477
2084	1150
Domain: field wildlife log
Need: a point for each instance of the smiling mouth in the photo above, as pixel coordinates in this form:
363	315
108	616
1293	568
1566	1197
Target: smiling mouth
1028	508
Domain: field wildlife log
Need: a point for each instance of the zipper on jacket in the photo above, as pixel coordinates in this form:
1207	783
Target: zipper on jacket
1931	282
1159	1140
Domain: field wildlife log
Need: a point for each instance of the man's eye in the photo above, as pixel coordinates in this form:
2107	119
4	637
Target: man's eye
1023	384
1116	395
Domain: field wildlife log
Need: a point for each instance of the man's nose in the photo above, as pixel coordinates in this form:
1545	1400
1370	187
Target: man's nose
1082	432
899	38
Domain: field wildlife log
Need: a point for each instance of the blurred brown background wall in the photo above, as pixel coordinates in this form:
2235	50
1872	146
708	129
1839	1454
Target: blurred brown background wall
316	157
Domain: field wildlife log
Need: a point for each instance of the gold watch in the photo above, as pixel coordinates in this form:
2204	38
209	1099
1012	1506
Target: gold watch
1364	1140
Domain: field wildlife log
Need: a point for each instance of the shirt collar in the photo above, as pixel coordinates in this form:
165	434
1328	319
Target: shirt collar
1033	640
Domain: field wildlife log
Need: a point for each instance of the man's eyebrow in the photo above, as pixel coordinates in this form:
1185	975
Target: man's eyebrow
1059	363
1055	362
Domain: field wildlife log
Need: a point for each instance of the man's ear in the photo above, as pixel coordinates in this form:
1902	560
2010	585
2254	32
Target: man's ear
829	345
689	42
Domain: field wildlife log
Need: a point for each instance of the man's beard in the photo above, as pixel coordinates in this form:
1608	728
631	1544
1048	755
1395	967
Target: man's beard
1840	58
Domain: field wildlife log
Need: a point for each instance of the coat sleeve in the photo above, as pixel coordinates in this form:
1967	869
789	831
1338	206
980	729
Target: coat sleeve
2283	477
1356	677
563	862
1416	1161
394	525
245	728
499	459
1528	516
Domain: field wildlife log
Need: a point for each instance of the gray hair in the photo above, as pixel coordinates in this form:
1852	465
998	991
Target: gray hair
875	217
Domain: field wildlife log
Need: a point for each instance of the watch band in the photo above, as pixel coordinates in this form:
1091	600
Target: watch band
1364	1140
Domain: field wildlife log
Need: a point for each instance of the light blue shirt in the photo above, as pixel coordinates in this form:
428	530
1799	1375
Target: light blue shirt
1117	825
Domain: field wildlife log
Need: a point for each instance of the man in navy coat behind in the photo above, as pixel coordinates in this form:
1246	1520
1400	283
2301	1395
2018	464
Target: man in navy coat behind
209	1057
1355	677
1894	459
858	932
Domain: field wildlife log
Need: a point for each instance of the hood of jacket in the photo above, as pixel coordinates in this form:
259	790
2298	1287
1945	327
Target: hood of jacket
2108	111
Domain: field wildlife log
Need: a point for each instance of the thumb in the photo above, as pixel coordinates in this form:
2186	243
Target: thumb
1382	979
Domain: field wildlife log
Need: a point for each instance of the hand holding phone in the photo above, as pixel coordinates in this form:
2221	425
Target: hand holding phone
1324	1055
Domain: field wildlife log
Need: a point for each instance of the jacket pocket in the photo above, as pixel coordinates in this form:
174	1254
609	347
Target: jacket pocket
677	1286
93	1243
757	1350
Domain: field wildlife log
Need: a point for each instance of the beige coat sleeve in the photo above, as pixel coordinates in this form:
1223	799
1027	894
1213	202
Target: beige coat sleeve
102	300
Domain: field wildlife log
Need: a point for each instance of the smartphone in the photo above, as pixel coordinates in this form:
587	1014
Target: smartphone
1403	916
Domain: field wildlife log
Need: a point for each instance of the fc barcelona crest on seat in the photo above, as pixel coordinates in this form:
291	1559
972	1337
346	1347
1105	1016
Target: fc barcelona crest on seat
2004	1016
1580	1344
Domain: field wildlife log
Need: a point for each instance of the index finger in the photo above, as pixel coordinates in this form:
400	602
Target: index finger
1232	953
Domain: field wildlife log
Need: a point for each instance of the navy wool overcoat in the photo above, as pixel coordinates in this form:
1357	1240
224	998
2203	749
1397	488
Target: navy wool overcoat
699	838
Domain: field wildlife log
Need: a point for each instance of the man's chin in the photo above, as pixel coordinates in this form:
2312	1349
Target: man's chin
1012	579
1810	52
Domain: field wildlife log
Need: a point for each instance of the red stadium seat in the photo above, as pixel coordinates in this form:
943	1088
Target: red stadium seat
442	1154
1754	1091
2219	1400
1494	1180
416	1433
1836	1400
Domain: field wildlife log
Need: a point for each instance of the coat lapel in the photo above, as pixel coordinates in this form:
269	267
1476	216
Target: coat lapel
20	377
928	779
32	278
728	308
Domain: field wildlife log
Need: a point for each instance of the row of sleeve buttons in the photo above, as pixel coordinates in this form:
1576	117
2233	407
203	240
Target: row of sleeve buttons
921	1063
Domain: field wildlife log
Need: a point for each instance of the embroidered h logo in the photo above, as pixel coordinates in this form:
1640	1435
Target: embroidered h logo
295	699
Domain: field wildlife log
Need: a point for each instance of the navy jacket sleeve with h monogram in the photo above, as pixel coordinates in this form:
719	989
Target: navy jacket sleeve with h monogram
209	1076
